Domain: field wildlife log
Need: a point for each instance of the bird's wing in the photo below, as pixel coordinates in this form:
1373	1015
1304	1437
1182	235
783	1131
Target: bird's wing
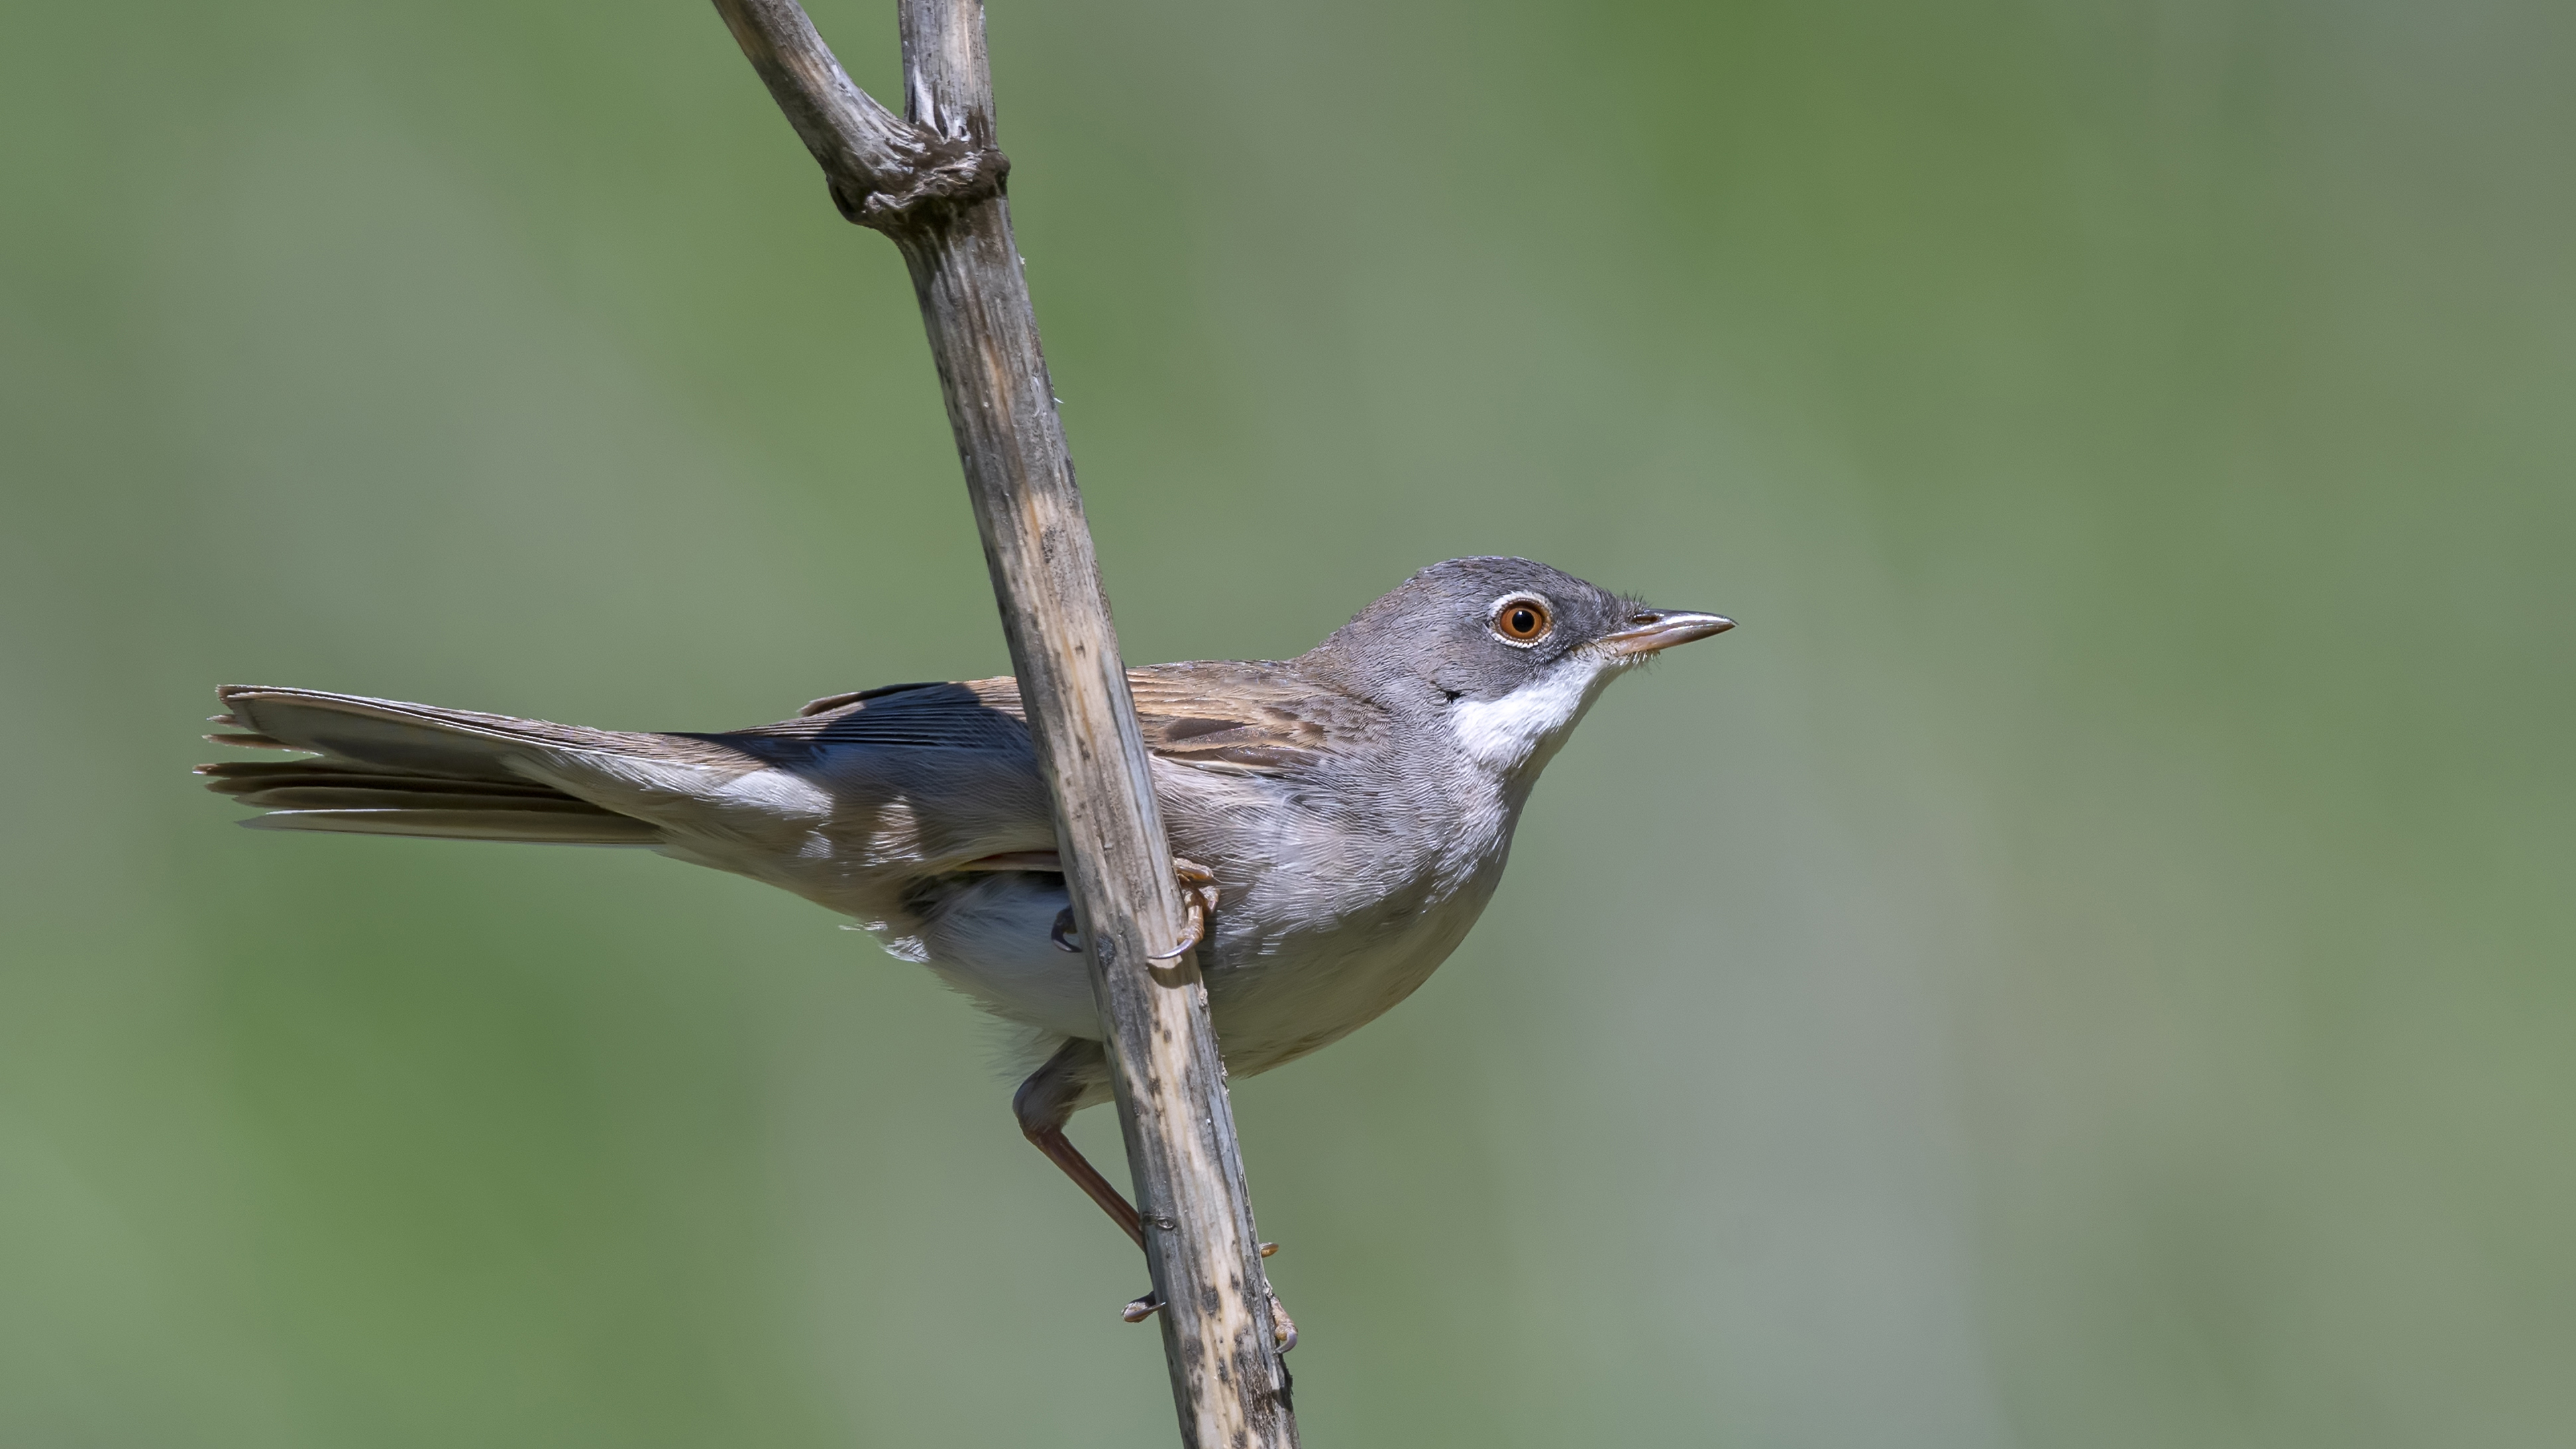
1232	718
981	714
1248	719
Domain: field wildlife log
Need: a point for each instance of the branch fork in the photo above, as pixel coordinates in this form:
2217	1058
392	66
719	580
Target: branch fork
886	172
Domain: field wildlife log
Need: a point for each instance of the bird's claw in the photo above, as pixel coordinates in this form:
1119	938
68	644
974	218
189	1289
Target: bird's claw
1283	1329
1198	903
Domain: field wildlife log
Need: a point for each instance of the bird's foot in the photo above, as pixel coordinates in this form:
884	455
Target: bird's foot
1198	903
1283	1329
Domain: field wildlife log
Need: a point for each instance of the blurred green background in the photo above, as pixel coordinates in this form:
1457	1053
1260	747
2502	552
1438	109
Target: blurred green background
2087	964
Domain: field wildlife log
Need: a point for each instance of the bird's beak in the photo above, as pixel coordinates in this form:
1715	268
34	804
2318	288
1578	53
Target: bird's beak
1651	630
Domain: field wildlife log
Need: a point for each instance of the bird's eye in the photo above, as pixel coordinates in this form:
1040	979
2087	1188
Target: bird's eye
1521	621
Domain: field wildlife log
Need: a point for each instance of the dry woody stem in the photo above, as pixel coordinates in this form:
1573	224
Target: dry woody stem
933	179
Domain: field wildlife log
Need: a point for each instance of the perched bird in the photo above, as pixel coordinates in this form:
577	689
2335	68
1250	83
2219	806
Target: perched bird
1348	811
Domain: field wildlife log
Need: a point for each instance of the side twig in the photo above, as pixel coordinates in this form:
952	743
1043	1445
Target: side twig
932	180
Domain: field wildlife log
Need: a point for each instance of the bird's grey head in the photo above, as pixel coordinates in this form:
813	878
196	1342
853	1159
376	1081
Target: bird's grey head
1508	651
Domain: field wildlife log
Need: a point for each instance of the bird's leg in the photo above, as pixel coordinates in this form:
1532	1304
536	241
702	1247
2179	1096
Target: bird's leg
1061	1151
1044	1103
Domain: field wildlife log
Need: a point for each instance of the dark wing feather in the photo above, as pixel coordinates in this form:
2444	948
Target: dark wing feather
832	702
979	715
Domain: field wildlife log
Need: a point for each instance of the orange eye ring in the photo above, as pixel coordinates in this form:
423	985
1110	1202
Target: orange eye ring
1522	620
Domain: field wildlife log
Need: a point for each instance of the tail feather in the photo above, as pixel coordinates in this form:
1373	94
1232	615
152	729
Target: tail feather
389	768
262	777
522	827
404	795
414	738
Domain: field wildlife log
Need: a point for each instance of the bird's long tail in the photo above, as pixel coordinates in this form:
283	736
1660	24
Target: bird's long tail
382	767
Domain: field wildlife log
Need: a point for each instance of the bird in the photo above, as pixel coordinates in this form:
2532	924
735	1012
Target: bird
1339	820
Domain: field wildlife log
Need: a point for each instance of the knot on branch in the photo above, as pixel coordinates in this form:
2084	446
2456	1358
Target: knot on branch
948	177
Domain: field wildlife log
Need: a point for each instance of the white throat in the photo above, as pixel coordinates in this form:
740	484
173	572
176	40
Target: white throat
1506	735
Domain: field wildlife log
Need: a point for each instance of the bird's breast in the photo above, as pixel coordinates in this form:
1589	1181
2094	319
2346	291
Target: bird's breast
1344	913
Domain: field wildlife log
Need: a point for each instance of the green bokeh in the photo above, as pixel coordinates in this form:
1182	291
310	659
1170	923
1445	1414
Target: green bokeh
2087	964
